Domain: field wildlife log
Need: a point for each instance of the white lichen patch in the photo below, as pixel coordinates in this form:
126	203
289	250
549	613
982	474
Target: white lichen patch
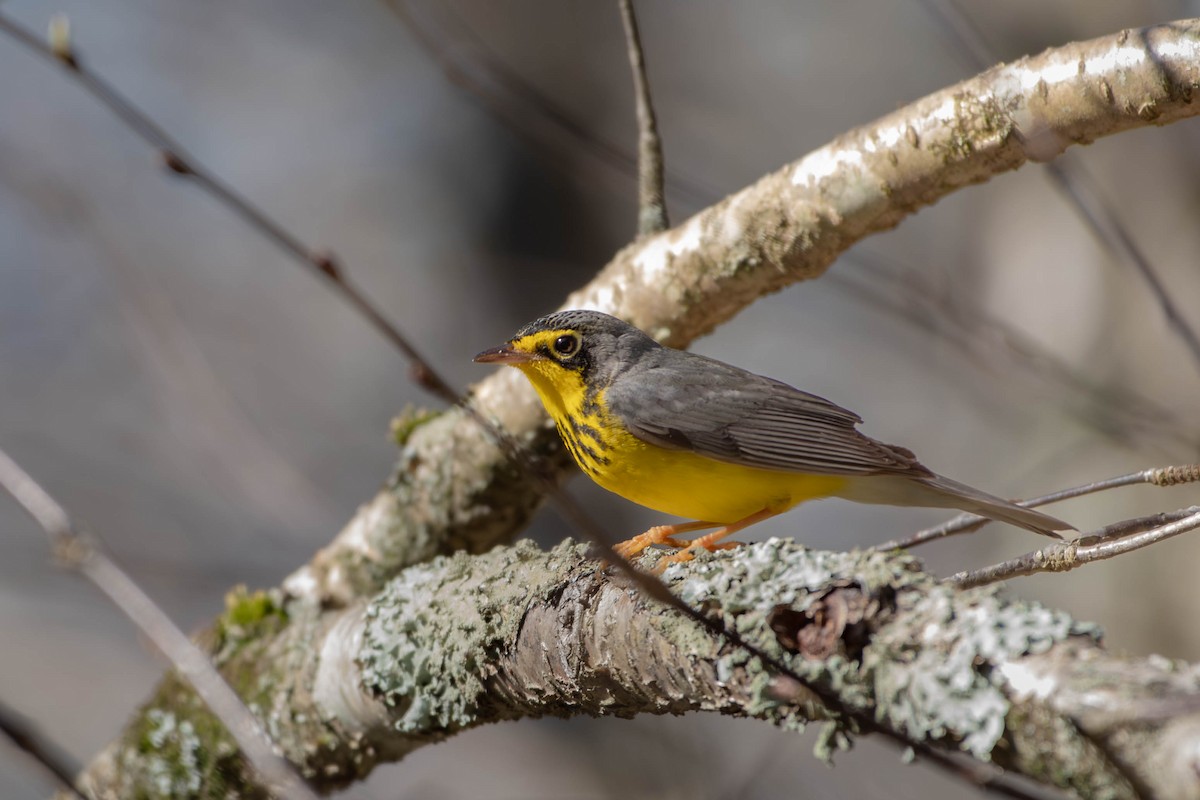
173	764
428	635
656	255
302	585
938	672
825	163
1182	48
843	177
376	516
604	297
1025	683
782	572
932	671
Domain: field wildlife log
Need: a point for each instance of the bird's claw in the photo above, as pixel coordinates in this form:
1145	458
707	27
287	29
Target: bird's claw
659	534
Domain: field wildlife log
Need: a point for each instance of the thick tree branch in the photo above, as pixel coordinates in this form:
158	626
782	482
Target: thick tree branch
465	641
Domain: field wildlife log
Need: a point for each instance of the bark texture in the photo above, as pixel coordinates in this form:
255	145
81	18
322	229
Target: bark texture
463	641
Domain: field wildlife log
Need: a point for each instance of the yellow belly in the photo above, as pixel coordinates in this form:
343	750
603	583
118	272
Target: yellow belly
695	487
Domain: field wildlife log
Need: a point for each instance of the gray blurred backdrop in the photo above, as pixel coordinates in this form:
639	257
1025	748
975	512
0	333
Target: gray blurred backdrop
214	413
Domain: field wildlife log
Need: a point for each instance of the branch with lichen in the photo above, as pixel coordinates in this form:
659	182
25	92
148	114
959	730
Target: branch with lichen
465	641
453	491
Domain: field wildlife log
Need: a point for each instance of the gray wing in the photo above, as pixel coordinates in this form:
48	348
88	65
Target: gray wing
683	401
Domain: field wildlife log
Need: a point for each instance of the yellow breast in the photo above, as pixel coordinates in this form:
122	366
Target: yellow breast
676	482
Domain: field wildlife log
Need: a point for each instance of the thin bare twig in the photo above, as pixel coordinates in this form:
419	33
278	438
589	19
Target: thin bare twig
514	102
179	161
986	777
1118	412
1073	180
82	553
965	523
1079	187
652	205
1107	542
29	740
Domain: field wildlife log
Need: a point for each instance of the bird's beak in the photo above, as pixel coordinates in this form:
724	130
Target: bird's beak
504	354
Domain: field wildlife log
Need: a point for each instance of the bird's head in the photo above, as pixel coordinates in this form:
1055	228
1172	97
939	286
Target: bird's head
564	352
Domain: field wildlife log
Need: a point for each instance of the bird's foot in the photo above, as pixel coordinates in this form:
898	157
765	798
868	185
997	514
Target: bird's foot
659	534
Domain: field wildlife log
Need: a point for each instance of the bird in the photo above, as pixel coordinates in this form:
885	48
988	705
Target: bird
720	446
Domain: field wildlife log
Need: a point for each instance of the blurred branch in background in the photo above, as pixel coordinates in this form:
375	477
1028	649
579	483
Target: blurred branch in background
1120	413
652	203
1077	186
25	736
467	63
81	553
205	414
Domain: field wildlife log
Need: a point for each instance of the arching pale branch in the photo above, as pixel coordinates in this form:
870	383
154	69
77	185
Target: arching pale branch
787	227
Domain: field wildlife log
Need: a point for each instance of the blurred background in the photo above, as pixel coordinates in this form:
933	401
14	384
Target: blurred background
214	413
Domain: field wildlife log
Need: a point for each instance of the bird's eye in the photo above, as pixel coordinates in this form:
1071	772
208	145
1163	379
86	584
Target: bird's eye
567	345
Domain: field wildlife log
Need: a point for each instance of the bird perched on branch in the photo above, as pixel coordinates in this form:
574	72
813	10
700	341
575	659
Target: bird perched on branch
698	438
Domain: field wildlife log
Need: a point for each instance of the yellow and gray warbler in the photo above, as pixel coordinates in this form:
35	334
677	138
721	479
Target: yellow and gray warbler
698	438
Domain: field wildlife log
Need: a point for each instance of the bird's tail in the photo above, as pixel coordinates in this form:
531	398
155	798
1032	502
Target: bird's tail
935	491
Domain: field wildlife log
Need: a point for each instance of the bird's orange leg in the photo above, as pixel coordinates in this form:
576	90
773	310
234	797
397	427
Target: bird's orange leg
659	534
711	541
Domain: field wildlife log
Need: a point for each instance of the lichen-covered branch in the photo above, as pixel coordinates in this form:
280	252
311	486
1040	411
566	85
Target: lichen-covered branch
457	491
464	641
1110	541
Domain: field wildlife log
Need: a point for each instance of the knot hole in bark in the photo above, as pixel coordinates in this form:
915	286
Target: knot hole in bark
840	620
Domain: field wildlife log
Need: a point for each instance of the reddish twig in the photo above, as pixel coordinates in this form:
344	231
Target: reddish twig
176	159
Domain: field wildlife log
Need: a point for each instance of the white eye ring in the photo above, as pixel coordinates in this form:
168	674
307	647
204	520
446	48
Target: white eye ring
567	345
